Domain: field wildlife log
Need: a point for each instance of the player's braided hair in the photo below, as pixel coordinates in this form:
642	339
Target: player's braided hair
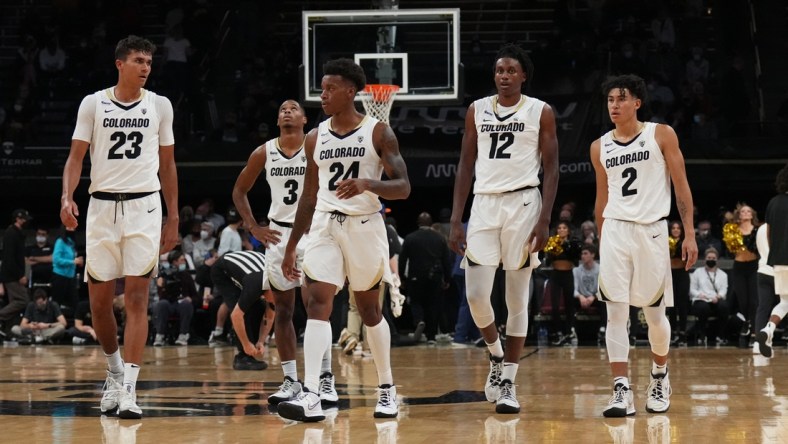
513	51
631	82
133	43
348	70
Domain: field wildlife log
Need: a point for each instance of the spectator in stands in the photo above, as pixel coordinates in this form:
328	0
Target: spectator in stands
586	279
662	29
52	59
697	67
705	239
681	284
230	238
588	234
12	270
42	321
186	220
65	262
191	237
82	332
177	74
39	256
425	268
708	290
177	290
202	249
27	59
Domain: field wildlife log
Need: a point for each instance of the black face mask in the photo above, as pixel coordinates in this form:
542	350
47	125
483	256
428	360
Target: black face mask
711	263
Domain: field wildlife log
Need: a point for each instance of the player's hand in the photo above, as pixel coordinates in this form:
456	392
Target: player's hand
260	346
689	252
169	236
538	238
251	350
351	187
266	235
69	213
457	238
289	269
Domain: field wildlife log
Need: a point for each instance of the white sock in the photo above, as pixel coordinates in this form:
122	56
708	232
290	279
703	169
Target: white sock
495	348
621	380
658	369
114	362
770	326
509	371
379	341
218	331
317	337
326	364
289	369
130	373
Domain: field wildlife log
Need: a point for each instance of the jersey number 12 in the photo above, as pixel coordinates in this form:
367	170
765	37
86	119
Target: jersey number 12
499	151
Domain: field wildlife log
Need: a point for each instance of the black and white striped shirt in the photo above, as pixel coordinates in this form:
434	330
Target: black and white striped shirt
241	263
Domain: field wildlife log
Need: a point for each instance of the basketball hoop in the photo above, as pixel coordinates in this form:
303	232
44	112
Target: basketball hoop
377	100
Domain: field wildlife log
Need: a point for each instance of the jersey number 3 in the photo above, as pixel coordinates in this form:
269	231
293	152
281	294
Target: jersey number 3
120	138
630	174
292	197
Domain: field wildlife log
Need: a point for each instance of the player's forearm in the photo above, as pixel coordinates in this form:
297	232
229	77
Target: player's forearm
303	218
237	318
685	207
169	190
241	202
462	187
71	174
392	189
549	190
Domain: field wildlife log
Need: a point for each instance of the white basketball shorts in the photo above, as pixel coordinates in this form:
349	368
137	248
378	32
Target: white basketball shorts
499	228
634	263
122	238
781	280
353	247
274	279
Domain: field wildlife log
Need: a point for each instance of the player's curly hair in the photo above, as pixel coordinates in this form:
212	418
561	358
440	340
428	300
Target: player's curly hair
133	43
348	70
635	85
782	180
513	51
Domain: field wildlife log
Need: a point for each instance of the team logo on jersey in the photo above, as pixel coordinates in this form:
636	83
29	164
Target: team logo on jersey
106	103
642	143
144	110
303	158
360	139
273	153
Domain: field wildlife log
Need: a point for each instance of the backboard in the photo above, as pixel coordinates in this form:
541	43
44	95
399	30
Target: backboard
415	49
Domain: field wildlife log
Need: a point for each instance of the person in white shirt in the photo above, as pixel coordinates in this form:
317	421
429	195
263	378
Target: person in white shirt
708	288
230	239
586	277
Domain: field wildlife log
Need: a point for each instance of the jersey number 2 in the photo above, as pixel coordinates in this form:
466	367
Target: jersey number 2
630	174
499	152
134	137
339	169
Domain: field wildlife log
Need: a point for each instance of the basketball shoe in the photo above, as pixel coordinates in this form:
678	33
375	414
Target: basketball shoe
492	389
305	407
127	404
328	394
387	402
507	400
764	341
621	404
111	392
658	394
286	392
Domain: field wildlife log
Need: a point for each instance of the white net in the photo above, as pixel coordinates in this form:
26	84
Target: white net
377	100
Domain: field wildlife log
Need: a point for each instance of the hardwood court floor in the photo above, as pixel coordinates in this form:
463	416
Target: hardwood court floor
192	395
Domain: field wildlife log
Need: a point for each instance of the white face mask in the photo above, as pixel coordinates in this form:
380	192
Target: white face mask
204	234
41	239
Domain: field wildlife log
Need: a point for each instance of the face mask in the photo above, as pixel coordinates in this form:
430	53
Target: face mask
165	265
41	239
182	267
711	263
204	234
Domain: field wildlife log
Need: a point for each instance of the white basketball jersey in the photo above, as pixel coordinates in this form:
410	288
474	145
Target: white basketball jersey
349	156
638	180
285	176
124	150
508	156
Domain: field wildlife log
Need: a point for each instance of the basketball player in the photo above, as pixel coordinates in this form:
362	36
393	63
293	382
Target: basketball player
284	162
346	156
777	234
507	138
129	132
634	165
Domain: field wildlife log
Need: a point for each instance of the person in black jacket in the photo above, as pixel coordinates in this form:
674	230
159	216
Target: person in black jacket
177	290
425	269
12	271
